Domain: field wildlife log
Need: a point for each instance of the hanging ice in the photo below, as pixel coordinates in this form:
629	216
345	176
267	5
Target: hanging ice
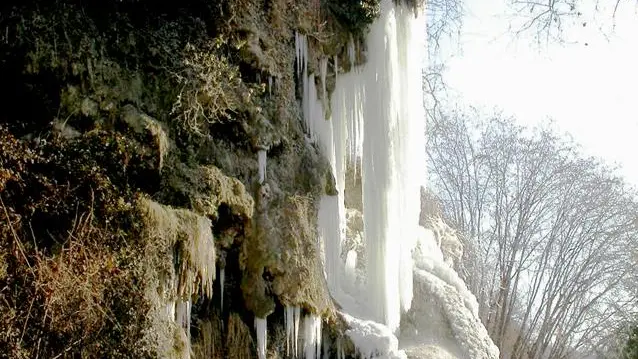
393	166
377	126
378	120
261	159
331	138
351	267
291	318
183	316
312	337
296	320
221	287
261	328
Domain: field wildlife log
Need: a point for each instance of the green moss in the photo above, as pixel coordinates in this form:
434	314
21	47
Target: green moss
133	100
354	15
207	188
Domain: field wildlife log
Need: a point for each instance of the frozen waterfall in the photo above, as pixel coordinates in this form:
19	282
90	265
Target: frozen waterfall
377	119
377	122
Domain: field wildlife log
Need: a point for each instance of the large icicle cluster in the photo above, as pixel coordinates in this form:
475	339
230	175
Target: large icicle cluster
387	93
377	124
292	316
194	273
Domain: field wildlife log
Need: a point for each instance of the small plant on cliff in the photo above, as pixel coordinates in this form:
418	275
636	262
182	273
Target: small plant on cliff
354	15
211	88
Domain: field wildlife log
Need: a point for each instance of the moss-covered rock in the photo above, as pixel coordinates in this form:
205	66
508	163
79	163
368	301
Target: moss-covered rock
299	280
110	108
207	188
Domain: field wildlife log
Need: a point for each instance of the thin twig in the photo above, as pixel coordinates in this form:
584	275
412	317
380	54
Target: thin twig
14	233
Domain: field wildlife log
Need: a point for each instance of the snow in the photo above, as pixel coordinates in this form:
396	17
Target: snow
261	327
372	340
467	329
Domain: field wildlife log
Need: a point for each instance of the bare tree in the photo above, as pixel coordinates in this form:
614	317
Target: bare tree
547	20
555	229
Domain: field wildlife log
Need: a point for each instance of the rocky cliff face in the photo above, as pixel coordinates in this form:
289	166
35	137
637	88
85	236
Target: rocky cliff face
133	221
160	187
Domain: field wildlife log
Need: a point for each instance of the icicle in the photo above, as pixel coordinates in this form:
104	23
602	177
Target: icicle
221	287
170	309
292	329
261	328
351	51
296	319
312	337
270	85
389	147
351	265
326	345
183	316
261	158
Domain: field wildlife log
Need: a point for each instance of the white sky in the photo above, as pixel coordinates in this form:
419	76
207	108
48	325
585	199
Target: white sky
590	91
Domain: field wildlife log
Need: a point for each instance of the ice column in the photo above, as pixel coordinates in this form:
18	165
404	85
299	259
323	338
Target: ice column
312	337
261	159
261	328
377	121
330	135
393	164
221	287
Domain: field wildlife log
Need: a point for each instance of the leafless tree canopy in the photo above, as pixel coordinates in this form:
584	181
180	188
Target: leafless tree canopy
550	234
444	20
548	19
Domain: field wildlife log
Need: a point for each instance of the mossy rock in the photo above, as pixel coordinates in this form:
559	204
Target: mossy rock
207	188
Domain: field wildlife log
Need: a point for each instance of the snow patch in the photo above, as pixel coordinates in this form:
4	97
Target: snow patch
372	340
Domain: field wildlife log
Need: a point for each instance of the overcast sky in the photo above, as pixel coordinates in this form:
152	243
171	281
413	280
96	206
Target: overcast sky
589	90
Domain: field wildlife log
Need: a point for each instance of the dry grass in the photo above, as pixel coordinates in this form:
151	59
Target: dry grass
218	189
74	281
209	344
239	341
211	88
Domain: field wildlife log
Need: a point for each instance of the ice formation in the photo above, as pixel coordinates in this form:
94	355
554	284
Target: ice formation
292	317
377	121
448	306
389	144
222	275
261	327
351	269
261	159
312	337
372	340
